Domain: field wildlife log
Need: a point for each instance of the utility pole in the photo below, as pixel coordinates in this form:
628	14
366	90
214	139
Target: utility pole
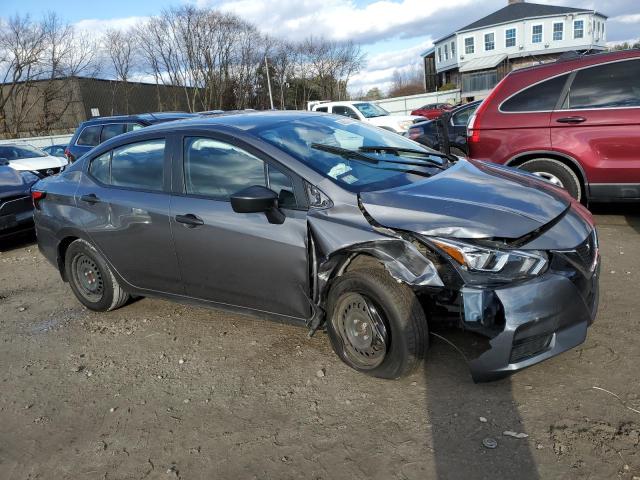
268	82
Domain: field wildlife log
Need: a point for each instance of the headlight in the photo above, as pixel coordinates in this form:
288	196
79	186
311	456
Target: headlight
405	124
480	265
29	177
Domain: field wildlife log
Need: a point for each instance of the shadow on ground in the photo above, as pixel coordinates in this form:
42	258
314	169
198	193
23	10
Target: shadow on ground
455	406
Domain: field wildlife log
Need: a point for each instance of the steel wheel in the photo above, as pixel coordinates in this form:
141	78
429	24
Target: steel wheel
362	331
88	278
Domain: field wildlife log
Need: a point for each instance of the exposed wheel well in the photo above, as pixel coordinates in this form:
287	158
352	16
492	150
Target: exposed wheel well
62	251
554	156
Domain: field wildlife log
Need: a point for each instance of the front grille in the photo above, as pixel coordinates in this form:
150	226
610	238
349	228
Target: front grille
529	347
586	251
49	171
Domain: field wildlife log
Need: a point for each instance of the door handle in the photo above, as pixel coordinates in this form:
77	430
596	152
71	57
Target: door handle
189	220
571	120
91	198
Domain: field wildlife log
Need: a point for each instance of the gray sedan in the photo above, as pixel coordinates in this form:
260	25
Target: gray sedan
332	224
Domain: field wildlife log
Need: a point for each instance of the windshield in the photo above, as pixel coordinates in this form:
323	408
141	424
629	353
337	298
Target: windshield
338	149
14	152
370	110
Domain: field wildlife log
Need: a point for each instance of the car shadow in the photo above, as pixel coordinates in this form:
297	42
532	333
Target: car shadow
467	418
629	211
19	240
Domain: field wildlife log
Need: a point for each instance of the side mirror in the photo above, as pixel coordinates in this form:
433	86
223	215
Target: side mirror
4	161
257	199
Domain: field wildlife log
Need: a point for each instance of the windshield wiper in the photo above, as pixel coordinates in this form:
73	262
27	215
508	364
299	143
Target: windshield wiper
398	150
344	152
355	155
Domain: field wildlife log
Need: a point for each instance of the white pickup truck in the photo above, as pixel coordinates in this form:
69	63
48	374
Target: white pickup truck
368	112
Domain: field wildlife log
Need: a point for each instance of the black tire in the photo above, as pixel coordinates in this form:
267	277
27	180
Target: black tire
99	291
399	309
568	178
458	152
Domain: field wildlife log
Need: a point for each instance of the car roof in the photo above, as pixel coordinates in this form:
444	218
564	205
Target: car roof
578	61
241	121
145	117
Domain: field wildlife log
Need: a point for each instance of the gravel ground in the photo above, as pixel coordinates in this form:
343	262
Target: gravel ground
161	390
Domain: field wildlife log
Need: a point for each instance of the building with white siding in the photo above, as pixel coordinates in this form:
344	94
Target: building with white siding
475	57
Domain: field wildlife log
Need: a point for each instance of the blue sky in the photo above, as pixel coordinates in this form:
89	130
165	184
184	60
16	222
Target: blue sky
391	32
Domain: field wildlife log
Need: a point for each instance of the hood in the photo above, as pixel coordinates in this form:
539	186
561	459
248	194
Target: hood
12	183
469	200
394	119
38	163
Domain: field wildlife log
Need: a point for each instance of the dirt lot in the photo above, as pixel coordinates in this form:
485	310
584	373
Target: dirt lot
160	390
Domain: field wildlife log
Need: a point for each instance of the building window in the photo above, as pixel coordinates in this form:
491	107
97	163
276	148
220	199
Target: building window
510	37
439	55
558	31
446	52
453	49
578	29
536	34
489	41
468	46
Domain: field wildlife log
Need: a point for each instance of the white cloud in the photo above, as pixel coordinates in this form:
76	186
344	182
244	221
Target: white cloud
341	19
633	18
99	26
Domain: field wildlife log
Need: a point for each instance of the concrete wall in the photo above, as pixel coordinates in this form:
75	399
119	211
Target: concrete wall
41	141
404	105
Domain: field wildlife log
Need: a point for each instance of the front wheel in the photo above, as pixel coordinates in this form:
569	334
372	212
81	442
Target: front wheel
376	325
557	173
91	279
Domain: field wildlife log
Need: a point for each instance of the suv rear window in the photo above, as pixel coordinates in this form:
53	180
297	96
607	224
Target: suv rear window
90	136
606	86
540	97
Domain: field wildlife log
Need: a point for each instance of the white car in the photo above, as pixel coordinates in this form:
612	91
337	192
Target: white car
370	113
25	157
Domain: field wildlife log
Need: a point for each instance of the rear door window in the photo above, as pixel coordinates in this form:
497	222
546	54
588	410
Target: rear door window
606	86
537	98
111	130
139	165
322	109
344	111
90	136
461	118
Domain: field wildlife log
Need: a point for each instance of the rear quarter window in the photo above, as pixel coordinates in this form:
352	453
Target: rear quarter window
89	136
540	97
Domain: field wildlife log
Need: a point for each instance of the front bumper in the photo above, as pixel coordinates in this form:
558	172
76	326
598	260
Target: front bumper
532	321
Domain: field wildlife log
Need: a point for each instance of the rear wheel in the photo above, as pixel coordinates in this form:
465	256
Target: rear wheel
375	324
557	173
91	279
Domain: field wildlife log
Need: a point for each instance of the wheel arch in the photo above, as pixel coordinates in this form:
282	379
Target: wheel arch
567	160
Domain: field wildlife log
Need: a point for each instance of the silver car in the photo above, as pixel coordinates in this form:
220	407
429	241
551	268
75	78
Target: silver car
332	224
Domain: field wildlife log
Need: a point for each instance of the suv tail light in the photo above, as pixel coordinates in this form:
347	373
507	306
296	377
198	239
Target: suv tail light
36	197
69	155
473	127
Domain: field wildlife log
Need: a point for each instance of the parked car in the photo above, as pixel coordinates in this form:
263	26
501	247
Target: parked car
432	110
27	158
97	130
575	123
370	113
55	150
327	222
16	208
428	133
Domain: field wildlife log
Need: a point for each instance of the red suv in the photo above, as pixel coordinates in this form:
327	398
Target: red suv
433	110
574	122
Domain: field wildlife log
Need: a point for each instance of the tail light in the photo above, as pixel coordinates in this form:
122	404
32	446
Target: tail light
414	133
473	127
69	155
36	197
